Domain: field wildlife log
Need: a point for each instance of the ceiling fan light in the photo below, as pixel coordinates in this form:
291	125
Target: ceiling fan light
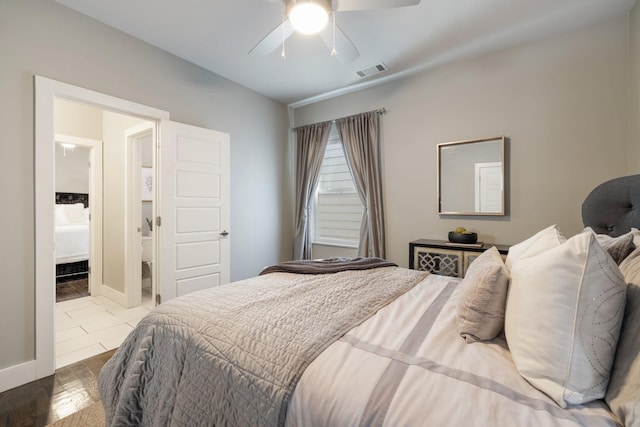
308	17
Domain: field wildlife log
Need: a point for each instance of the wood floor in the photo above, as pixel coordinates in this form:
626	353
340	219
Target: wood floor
72	289
49	399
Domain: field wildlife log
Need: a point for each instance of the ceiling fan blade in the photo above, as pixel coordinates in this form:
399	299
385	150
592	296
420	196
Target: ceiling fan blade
346	51
343	5
273	40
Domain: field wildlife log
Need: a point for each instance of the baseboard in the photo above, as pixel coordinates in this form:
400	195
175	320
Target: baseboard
17	375
114	295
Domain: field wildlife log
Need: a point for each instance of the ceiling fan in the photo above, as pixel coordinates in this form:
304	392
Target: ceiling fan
312	16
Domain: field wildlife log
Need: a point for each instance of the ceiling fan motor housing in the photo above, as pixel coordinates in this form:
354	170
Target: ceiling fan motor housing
325	4
308	16
334	38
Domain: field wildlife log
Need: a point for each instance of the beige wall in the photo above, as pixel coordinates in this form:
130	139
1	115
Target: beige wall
634	90
72	169
41	37
77	119
113	197
562	102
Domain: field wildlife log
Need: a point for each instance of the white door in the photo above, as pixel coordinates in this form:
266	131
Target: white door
193	244
488	192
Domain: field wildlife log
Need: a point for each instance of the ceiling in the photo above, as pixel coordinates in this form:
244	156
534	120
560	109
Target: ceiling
218	34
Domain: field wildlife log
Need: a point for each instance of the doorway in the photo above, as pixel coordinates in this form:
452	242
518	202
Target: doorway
192	245
140	213
89	323
78	216
47	92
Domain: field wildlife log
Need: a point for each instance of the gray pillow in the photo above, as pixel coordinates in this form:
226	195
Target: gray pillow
483	296
618	247
623	393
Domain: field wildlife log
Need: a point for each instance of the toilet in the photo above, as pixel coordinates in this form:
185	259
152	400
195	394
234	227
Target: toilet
147	255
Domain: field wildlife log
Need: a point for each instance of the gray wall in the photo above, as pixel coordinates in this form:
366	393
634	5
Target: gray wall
563	102
44	38
634	90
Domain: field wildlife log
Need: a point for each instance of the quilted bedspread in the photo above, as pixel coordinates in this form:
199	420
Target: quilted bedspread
232	355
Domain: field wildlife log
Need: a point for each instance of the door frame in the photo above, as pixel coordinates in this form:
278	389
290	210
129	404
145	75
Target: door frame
133	215
95	207
46	91
479	186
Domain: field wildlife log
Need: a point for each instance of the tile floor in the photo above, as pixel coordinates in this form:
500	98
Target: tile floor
89	326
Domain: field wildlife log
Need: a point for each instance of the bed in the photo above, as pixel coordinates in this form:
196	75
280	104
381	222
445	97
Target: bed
71	235
545	339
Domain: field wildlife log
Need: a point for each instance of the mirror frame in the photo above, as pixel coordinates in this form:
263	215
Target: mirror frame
500	139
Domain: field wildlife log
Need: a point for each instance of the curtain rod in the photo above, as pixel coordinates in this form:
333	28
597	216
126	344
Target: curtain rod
379	111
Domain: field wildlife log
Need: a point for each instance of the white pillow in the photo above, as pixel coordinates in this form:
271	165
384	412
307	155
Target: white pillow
563	317
60	217
541	241
74	213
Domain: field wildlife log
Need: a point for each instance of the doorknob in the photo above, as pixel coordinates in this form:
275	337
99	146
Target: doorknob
224	233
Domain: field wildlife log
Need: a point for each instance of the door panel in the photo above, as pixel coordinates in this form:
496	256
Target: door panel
199	254
190	220
488	187
491	189
197	185
185	286
194	207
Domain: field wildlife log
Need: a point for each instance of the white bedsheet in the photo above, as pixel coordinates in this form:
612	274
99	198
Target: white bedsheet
72	243
408	366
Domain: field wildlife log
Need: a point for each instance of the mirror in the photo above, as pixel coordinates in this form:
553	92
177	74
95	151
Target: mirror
471	177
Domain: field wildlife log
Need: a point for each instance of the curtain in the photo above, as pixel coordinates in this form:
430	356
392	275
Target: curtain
311	142
360	136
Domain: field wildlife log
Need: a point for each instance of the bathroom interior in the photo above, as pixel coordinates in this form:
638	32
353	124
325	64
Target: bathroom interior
146	151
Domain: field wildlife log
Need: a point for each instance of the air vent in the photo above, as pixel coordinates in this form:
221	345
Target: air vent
375	69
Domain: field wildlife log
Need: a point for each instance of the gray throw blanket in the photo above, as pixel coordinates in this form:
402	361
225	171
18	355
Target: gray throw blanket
329	265
232	355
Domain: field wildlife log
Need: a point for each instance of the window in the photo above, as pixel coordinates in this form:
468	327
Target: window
337	211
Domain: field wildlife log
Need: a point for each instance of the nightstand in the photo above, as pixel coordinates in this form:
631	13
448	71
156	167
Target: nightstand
447	259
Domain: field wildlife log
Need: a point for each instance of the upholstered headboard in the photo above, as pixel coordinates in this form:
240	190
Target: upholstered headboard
71	198
613	207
